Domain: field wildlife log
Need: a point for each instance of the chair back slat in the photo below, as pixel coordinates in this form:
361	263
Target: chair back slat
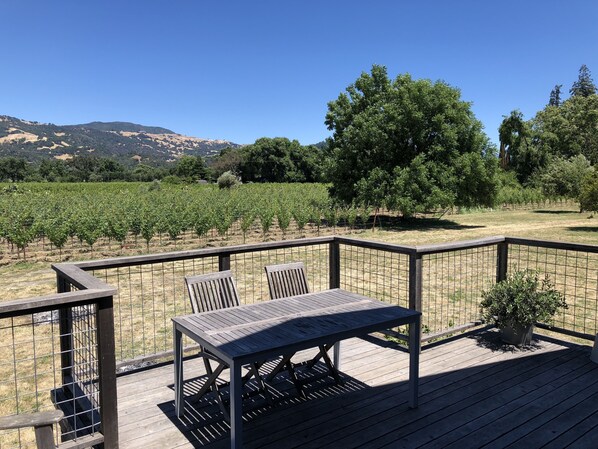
286	280
212	291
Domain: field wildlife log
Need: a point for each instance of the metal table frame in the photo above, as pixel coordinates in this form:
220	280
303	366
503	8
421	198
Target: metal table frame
257	332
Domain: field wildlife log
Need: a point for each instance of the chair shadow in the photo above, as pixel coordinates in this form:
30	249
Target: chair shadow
204	423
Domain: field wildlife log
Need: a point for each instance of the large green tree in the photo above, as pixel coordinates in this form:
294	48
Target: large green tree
280	160
414	139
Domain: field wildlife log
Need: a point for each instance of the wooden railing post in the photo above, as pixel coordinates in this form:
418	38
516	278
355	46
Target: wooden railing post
415	281
107	371
65	320
502	258
334	264
415	299
223	262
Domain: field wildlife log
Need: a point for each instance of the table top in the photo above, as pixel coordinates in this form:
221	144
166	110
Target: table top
284	326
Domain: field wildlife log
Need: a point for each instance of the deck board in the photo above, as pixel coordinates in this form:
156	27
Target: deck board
473	392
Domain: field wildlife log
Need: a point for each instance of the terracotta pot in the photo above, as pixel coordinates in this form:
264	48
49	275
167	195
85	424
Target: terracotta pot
517	334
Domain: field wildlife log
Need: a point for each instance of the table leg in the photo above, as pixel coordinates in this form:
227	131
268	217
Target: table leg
414	350
236	407
178	372
337	355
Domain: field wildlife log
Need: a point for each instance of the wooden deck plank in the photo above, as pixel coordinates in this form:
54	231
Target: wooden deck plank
588	439
465	385
455	403
317	404
480	429
375	399
581	431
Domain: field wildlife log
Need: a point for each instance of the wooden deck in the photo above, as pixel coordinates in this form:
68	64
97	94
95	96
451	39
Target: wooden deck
473	393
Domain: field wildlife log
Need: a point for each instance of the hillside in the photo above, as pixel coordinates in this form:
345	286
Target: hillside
127	142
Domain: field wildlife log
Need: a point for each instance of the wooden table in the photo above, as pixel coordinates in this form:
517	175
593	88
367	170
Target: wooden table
262	331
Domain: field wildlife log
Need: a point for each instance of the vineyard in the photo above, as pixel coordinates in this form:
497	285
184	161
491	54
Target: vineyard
59	219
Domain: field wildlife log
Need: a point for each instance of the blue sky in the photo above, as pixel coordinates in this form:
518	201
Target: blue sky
248	69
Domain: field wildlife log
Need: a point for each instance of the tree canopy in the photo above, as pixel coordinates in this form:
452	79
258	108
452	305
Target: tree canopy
560	139
190	168
410	144
570	129
280	160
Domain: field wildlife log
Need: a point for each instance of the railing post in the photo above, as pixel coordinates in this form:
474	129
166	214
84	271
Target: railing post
415	281
65	320
107	371
334	264
415	303
223	262
502	258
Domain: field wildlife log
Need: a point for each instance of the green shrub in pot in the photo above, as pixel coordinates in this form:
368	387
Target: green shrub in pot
517	303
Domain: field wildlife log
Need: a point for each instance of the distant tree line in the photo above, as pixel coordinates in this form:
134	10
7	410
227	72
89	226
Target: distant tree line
267	160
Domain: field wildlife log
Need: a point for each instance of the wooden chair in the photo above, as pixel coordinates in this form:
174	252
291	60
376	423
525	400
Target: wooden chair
215	291
42	423
286	280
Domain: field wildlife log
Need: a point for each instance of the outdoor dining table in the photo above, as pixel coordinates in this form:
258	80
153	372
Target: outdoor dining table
265	330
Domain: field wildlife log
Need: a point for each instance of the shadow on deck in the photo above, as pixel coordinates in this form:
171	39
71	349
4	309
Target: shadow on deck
474	392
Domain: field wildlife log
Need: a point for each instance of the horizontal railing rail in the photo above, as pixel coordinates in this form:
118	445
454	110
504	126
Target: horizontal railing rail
198	254
38	304
567	246
459	246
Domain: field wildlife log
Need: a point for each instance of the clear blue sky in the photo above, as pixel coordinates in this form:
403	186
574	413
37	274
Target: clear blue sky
247	69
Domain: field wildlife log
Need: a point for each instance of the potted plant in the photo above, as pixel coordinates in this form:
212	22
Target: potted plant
516	303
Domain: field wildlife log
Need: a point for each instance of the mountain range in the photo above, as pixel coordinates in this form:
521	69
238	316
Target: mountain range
127	142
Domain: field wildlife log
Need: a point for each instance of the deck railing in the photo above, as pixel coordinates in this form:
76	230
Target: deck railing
58	351
105	329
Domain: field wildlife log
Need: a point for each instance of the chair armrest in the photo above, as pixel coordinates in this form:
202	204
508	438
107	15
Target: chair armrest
31	419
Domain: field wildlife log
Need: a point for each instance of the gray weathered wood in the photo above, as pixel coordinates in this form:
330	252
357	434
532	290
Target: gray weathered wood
51	302
553	244
454	376
260	331
502	261
42	422
286	280
211	292
30	419
290	279
107	372
200	253
83	442
457	246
